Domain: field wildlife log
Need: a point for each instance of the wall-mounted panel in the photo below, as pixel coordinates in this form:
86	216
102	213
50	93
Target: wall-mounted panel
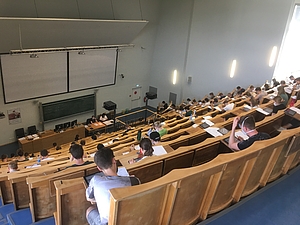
93	68
56	33
95	9
57	9
25	77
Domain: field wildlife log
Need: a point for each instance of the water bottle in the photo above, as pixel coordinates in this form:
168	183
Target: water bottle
38	160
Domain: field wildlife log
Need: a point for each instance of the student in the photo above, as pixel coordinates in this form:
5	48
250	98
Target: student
4	158
12	166
260	94
227	106
20	156
98	191
247	125
44	154
283	95
278	105
145	150
155	137
103	117
93	119
77	153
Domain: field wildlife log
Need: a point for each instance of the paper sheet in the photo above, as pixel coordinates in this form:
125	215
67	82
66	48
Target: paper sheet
295	109
213	131
122	171
159	150
262	111
241	134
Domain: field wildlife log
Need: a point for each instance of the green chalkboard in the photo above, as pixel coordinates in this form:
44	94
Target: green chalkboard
68	107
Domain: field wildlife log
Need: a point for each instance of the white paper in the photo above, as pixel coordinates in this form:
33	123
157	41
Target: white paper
159	150
295	109
262	111
209	123
213	131
33	166
247	106
108	122
122	171
241	134
218	108
195	125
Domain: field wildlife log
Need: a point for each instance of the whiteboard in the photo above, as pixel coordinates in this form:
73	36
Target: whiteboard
24	77
92	68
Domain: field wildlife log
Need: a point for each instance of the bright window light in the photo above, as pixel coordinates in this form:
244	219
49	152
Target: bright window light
273	56
174	77
233	66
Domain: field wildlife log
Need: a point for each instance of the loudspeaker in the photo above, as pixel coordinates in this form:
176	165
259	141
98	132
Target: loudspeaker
109	105
151	95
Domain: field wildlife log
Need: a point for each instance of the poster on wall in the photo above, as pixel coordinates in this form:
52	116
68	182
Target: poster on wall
14	116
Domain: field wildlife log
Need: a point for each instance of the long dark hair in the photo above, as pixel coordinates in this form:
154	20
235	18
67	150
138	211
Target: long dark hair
146	145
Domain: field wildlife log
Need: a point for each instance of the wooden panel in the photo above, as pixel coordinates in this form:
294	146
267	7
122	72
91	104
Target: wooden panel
179	161
206	153
192	189
143	208
149	172
6	191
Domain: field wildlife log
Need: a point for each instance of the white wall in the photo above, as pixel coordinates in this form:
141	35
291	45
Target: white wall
219	32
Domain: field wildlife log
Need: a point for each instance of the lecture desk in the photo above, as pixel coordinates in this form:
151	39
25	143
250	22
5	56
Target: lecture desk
47	138
98	126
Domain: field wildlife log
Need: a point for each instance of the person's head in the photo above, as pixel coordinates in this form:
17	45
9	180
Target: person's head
157	125
93	117
238	88
76	137
44	153
251	87
247	124
297	80
94	137
266	86
187	108
104	159
146	147
4	157
282	83
12	166
292	77
76	151
103	115
54	144
277	100
82	142
12	155
281	90
20	152
206	100
100	146
188	99
163	102
155	136
58	147
258	90
216	100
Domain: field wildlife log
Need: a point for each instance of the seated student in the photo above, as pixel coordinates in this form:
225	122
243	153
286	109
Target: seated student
145	150
12	166
155	137
103	117
249	91
44	154
20	156
98	191
76	137
247	125
77	153
188	111
278	105
283	95
260	94
211	95
159	128
4	158
227	106
93	119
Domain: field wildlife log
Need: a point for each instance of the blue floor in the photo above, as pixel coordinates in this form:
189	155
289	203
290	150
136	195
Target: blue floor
276	204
